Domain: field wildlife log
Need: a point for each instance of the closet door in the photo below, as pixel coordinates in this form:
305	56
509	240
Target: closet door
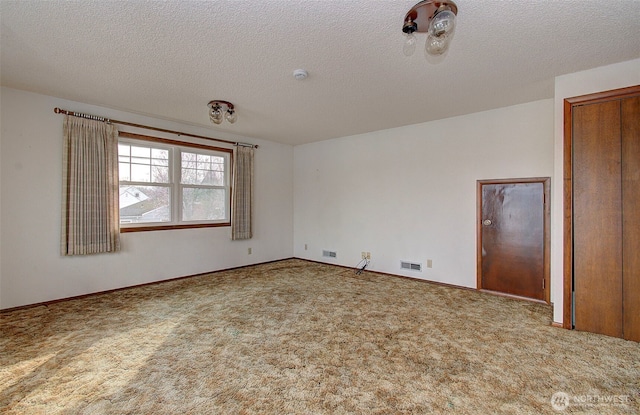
630	110
597	222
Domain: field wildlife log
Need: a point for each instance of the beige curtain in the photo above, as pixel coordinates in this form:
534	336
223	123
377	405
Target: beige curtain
242	196
90	200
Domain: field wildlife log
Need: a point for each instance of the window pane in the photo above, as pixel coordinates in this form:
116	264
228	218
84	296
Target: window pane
202	169
159	174
203	160
203	204
125	174
141	152
142	204
158	153
124	150
188	176
143	164
140	173
188	164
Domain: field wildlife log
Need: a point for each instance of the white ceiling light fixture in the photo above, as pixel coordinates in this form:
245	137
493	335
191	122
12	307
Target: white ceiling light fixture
219	110
437	19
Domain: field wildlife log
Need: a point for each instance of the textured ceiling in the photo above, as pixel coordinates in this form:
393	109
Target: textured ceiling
168	59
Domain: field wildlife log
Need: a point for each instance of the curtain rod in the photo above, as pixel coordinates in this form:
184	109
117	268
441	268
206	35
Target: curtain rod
146	127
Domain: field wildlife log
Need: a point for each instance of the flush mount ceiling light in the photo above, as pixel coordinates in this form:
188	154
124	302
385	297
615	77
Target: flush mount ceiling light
437	19
219	110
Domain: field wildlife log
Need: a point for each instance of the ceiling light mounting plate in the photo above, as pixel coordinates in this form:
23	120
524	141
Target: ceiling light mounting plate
423	12
211	104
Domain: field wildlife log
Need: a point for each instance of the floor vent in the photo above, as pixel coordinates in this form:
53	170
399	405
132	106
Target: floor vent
412	266
329	254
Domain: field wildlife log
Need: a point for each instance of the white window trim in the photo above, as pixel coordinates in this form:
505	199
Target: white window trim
175	149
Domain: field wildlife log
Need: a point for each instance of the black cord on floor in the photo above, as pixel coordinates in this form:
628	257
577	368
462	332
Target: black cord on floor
361	266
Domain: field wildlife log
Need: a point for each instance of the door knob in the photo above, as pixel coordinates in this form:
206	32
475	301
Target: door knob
486	222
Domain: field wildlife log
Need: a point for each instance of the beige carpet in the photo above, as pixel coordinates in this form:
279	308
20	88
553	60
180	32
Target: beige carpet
295	337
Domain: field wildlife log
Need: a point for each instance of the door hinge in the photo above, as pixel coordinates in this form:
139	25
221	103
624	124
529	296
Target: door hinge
543	284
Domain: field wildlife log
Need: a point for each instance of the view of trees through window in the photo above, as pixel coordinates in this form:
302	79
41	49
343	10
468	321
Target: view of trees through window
200	199
153	175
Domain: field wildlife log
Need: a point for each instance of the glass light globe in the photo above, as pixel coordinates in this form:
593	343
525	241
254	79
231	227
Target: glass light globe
442	23
231	116
216	114
437	45
409	45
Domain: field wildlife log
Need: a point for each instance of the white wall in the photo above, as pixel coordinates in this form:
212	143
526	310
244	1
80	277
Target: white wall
402	194
600	79
32	269
409	193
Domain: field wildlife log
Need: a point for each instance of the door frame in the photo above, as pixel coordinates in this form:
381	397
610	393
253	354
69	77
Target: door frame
546	185
567	260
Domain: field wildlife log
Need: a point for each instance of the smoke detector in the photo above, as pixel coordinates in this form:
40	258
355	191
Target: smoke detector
300	74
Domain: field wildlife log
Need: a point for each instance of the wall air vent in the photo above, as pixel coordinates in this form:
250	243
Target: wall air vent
411	266
329	254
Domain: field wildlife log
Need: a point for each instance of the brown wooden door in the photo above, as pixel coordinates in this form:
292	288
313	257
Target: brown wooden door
630	110
512	238
602	213
606	217
597	222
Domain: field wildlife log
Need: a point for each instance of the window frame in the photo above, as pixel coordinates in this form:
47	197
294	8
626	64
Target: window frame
175	164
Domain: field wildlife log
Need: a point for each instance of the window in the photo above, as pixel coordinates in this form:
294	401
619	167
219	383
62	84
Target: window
169	184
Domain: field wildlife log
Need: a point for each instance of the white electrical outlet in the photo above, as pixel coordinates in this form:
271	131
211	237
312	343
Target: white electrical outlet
363	255
368	255
249	251
429	263
305	247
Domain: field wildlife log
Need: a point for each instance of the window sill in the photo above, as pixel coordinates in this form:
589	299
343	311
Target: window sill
171	227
